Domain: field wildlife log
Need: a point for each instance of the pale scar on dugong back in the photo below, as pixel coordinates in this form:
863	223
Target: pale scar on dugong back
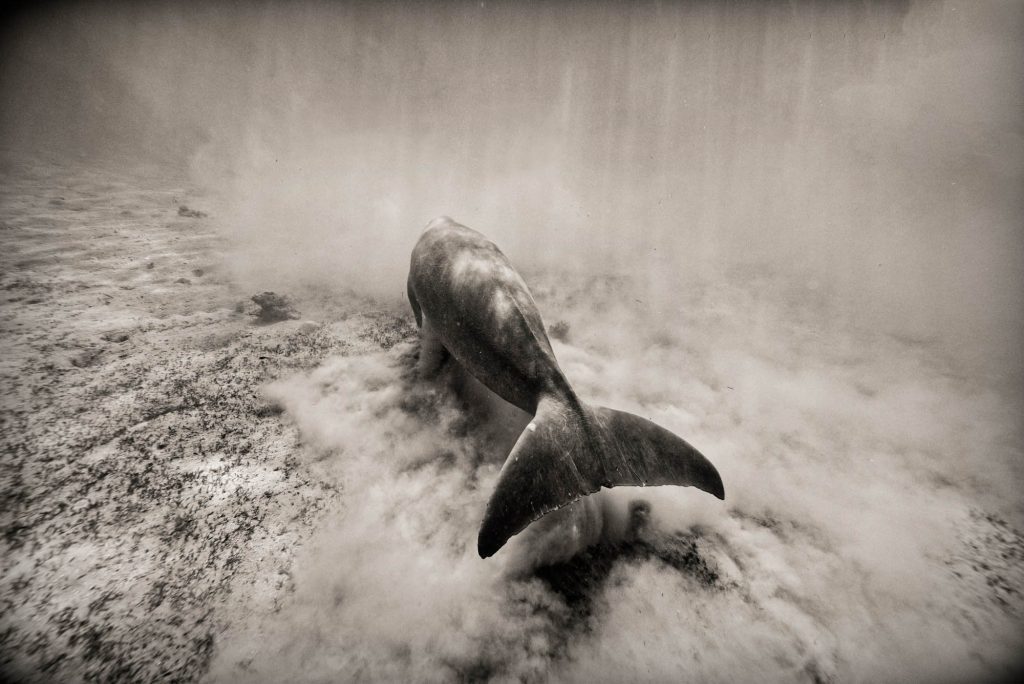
469	302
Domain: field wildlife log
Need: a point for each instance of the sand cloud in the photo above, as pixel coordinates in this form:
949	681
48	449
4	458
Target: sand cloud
864	534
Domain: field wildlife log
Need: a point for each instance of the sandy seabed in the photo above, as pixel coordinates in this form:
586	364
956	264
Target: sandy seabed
146	482
189	494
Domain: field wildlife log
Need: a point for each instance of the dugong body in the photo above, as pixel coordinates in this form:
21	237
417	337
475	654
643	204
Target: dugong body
470	302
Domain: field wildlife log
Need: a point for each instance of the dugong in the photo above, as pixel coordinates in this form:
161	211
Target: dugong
471	303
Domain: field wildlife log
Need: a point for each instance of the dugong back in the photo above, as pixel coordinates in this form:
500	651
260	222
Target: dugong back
483	312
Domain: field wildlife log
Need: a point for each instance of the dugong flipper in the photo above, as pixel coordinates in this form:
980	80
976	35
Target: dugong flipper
470	302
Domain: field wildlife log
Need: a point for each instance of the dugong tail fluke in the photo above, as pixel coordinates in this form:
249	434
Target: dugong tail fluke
570	450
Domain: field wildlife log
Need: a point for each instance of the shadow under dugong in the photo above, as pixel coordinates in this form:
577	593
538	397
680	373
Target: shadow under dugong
471	303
